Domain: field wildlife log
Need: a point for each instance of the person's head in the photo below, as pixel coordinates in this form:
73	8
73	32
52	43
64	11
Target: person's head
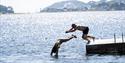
74	25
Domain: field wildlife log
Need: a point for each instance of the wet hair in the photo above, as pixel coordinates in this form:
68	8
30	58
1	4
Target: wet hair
73	25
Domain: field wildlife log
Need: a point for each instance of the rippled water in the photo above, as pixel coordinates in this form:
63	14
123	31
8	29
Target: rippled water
28	38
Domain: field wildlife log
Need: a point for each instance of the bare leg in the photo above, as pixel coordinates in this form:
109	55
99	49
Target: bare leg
56	55
91	37
85	37
54	49
51	53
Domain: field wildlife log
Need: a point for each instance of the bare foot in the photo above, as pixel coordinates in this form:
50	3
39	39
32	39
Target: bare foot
88	42
93	38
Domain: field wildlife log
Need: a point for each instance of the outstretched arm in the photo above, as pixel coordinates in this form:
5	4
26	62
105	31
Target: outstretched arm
65	40
71	30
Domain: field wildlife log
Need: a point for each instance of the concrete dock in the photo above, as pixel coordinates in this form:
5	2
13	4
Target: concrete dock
110	48
106	46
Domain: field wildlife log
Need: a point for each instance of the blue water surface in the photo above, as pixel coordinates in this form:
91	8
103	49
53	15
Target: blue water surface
29	38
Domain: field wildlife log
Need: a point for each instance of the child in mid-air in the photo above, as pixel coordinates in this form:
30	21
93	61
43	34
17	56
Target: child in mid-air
84	29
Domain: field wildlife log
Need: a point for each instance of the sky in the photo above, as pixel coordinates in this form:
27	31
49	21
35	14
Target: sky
30	6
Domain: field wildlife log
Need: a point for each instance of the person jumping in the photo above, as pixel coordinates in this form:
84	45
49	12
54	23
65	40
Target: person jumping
84	29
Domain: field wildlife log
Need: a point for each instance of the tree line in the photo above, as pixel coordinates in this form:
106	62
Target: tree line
4	9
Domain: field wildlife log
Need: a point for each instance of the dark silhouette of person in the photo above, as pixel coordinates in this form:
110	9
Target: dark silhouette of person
85	31
58	43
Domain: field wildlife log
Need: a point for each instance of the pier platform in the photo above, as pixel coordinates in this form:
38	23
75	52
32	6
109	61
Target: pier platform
106	46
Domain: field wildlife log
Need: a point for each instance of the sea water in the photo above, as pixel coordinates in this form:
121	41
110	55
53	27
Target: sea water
29	38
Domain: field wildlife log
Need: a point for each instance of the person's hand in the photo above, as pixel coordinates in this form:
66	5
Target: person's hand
67	32
74	36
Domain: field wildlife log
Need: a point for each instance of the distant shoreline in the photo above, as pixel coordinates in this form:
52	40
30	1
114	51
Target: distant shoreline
62	12
81	11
